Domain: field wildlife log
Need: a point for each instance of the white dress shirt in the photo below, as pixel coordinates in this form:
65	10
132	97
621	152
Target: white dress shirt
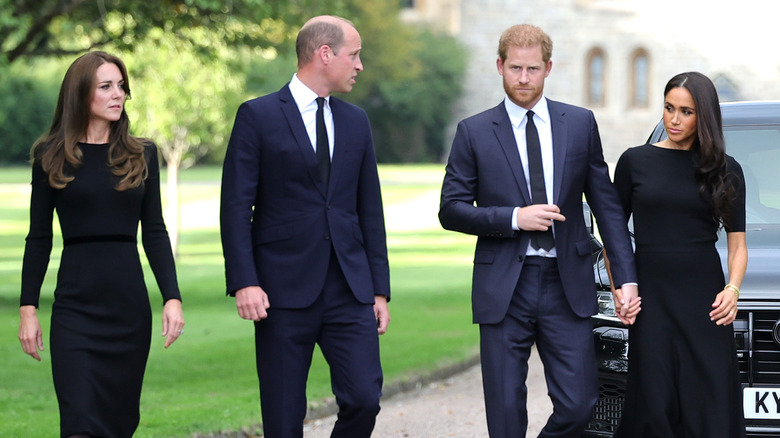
306	99
518	119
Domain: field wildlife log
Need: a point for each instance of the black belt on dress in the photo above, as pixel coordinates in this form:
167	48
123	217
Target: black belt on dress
101	238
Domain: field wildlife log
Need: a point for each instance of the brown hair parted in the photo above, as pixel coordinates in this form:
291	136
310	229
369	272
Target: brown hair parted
709	146
326	30
58	151
525	35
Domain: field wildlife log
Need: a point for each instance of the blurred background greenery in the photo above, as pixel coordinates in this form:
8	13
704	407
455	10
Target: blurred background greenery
206	382
191	63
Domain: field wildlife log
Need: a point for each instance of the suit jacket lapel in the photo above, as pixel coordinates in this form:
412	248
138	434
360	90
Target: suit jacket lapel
341	131
505	134
294	119
560	146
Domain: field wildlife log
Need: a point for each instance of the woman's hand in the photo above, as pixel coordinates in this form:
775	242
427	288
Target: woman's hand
172	322
628	303
725	306
30	334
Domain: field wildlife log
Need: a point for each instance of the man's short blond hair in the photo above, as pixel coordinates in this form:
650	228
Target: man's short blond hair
525	35
326	30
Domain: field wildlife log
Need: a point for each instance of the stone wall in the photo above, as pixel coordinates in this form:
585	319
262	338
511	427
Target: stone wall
618	27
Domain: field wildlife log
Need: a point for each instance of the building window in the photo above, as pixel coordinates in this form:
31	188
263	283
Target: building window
640	79
596	77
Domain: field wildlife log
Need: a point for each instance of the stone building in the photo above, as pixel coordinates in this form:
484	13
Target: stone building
615	56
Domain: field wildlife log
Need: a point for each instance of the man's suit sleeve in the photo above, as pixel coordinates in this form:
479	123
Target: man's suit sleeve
460	189
240	176
371	216
623	183
605	203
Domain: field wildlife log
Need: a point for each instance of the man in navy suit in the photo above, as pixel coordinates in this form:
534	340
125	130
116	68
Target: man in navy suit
303	235
515	179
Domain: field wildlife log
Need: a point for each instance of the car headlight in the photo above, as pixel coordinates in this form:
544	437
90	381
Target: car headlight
606	304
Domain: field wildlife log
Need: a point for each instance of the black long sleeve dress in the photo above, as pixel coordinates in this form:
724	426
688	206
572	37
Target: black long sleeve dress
101	317
683	376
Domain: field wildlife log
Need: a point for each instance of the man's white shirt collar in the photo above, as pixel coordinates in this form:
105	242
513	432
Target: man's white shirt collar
306	101
303	95
517	113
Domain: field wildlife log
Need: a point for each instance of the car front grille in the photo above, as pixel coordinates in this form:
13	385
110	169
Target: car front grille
606	413
757	352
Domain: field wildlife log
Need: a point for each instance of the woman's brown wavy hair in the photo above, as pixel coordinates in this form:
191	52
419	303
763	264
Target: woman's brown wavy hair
709	146
58	151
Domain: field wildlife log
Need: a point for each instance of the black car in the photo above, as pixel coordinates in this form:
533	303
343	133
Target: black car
752	133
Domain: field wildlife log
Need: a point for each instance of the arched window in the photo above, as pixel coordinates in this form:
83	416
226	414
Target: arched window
596	77
640	79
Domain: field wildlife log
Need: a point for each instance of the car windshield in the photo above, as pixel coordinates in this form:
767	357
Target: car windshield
757	149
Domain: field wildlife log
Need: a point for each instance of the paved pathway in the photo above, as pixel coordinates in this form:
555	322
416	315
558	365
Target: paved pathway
451	408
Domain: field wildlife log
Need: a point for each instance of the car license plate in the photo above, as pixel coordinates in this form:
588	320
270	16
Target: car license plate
761	403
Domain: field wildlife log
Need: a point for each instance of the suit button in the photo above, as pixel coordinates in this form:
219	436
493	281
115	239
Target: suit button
520	258
328	207
327	237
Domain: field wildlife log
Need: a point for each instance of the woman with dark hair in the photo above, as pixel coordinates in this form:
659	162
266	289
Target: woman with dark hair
683	376
102	182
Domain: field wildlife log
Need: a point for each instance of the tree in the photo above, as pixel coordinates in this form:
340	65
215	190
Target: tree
40	28
410	115
28	95
181	103
411	80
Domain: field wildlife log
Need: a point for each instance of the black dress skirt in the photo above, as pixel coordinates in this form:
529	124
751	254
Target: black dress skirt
101	317
683	377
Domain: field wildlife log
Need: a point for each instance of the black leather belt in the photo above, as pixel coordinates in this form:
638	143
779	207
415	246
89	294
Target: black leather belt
101	238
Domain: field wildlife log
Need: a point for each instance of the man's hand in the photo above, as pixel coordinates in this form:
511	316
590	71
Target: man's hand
538	217
382	314
628	303
252	303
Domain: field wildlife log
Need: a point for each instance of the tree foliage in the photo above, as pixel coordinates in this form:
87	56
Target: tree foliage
28	94
185	57
182	102
35	28
179	100
410	115
411	79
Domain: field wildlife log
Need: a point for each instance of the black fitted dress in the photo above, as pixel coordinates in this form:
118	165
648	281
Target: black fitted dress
683	378
101	317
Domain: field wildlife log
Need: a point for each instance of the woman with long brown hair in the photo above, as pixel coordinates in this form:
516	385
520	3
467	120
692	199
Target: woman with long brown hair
102	182
683	376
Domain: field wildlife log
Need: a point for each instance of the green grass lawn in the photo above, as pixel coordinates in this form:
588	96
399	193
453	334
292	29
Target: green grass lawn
206	381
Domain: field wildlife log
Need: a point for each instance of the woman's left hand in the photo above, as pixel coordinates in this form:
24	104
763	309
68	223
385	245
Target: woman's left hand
725	308
173	321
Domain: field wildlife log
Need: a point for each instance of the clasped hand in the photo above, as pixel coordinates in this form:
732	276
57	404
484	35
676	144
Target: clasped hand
628	303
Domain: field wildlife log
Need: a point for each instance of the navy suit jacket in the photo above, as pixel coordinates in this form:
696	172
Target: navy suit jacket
277	220
485	182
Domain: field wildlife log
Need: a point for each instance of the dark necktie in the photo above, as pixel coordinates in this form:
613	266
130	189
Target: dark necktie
539	239
323	149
